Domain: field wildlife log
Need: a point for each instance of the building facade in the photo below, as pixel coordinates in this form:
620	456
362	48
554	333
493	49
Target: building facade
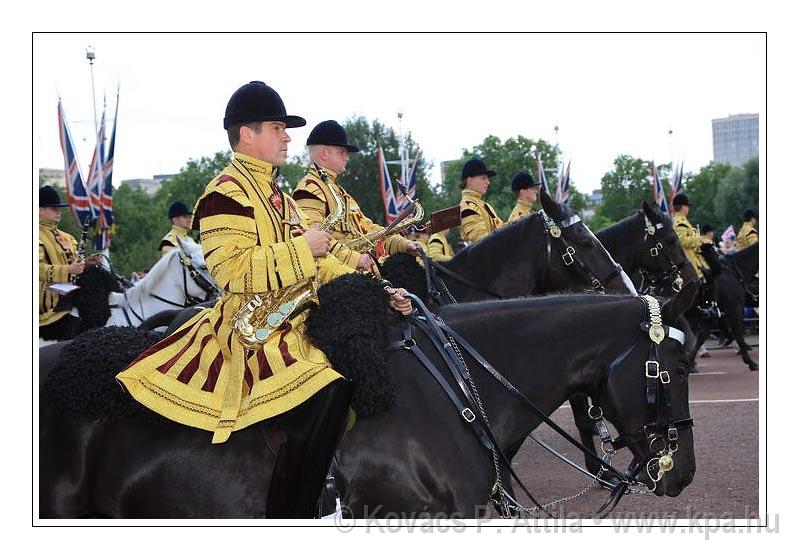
735	139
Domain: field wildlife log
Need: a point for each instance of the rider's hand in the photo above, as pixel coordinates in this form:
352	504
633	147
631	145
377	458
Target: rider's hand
414	248
399	301
365	261
76	267
318	241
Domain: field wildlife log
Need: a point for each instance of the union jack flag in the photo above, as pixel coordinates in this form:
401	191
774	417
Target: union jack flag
390	209
677	186
563	192
80	204
95	181
729	233
658	192
106	197
412	183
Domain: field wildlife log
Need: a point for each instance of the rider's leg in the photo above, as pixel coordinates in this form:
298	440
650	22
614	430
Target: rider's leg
313	431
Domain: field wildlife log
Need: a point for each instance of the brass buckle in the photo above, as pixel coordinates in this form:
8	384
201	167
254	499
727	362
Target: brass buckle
672	434
664	377
651	369
567	257
654	251
468	415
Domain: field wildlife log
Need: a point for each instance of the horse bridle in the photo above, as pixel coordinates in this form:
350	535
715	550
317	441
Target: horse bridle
654	279
570	256
660	426
202	282
554	230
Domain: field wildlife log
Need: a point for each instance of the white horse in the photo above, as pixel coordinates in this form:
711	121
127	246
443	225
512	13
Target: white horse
178	280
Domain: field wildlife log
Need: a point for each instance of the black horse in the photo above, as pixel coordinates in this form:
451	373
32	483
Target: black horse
727	279
419	456
539	254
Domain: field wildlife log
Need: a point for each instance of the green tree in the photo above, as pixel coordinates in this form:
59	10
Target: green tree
701	189
505	158
737	192
188	184
625	188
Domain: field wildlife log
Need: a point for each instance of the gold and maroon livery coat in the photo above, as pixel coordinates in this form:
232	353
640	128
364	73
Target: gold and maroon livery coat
202	375
57	250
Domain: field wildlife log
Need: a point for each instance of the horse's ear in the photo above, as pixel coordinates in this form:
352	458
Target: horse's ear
678	304
653	214
550	206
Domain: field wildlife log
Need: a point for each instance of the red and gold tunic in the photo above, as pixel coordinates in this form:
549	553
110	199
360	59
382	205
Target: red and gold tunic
202	375
57	250
316	200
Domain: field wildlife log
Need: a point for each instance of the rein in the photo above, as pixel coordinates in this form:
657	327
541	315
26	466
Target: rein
659	427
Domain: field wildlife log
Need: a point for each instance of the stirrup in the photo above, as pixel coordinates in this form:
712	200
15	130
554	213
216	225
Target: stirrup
330	507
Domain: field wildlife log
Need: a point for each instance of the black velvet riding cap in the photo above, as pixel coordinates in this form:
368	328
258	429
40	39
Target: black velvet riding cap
330	133
522	181
475	167
680	200
48	198
257	102
178	208
749	214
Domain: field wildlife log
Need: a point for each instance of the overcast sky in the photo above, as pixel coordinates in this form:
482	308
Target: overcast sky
608	94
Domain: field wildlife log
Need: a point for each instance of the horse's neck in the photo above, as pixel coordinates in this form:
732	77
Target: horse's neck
613	239
511	269
747	263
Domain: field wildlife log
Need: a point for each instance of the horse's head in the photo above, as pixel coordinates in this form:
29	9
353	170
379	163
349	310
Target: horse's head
581	252
645	394
199	286
661	258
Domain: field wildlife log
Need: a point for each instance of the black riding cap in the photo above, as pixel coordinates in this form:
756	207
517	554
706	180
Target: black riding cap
749	214
680	200
330	133
475	167
48	198
257	102
522	181
178	208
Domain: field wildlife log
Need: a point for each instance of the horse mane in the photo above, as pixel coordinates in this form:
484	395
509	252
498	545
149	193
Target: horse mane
551	304
82	384
617	235
746	255
350	326
403	271
154	276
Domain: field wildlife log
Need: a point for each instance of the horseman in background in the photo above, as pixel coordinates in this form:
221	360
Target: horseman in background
748	234
478	217
59	263
527	193
256	242
328	148
439	248
181	219
688	235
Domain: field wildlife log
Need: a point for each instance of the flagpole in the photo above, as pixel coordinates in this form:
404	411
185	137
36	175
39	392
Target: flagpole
90	56
403	154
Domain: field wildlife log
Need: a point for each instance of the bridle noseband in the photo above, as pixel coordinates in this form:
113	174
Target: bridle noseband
655	279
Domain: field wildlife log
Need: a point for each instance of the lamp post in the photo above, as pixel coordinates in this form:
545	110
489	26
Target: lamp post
90	56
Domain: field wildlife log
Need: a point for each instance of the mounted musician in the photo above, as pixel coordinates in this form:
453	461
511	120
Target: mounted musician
527	193
59	263
329	152
478	217
222	370
748	234
181	218
688	235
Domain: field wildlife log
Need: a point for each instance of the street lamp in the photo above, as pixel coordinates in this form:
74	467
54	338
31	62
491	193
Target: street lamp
90	56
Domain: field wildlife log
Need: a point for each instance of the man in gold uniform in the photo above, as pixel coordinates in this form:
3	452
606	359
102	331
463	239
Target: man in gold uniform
687	234
58	264
329	149
439	248
181	219
748	235
255	241
478	218
527	193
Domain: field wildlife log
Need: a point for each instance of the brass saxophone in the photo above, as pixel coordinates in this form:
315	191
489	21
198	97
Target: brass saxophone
414	214
263	314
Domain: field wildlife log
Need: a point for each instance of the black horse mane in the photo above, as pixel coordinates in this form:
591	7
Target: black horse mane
496	245
82	383
746	256
403	271
92	299
551	304
618	235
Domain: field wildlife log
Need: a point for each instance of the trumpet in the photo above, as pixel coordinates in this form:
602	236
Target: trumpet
413	214
263	314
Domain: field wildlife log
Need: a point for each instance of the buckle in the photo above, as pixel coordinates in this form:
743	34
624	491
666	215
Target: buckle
567	257
654	251
664	377
468	415
597	286
672	434
651	369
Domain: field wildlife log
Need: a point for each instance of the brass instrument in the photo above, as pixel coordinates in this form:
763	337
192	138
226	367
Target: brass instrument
412	215
82	244
263	314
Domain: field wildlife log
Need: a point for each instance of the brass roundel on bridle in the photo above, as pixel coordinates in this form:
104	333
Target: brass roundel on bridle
656	333
555	231
651	230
